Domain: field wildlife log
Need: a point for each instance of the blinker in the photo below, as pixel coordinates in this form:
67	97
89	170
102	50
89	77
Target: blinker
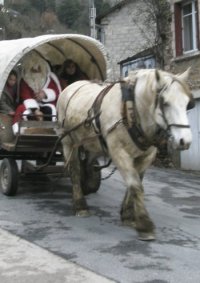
191	104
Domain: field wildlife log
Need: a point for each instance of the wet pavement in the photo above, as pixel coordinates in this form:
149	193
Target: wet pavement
41	215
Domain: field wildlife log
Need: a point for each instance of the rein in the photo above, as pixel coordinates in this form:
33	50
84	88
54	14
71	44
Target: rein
67	133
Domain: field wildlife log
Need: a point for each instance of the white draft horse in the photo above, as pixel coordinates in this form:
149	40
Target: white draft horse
125	120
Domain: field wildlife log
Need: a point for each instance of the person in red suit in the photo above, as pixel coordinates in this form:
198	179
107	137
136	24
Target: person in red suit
39	91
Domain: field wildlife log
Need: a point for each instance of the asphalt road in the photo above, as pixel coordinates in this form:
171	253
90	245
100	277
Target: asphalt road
41	216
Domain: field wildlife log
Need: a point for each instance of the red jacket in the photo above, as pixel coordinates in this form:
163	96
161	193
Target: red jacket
51	88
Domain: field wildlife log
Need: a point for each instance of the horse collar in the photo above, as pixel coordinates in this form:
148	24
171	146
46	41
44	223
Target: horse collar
131	119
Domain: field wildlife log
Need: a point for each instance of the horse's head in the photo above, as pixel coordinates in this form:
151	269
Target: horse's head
173	99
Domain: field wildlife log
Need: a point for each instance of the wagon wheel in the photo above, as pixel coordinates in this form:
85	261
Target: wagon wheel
9	177
90	176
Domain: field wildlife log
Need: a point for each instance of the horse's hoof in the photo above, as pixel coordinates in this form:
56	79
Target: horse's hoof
146	236
83	213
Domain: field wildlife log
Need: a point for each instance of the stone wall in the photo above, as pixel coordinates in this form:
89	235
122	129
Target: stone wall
180	65
122	36
126	34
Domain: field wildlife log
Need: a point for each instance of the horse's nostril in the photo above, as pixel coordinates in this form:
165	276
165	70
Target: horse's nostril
182	142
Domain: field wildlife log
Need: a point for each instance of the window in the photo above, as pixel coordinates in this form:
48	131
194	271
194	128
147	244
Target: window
189	19
186	27
147	62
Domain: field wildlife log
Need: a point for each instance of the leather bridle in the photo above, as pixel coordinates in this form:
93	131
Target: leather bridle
160	102
136	132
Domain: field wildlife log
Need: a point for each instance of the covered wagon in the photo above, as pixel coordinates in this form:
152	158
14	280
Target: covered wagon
34	149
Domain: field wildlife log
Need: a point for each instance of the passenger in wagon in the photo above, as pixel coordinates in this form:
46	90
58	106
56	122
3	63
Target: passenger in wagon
39	91
8	101
70	73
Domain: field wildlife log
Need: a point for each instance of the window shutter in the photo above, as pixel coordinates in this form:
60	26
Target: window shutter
178	29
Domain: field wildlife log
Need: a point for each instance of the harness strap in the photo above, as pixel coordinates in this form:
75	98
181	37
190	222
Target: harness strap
178	126
95	111
73	94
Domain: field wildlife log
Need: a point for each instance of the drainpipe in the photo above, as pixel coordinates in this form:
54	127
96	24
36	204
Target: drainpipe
92	16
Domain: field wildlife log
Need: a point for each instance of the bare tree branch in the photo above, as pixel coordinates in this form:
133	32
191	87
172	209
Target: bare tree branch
155	26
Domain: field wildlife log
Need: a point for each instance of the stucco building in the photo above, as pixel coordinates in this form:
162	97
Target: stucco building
186	53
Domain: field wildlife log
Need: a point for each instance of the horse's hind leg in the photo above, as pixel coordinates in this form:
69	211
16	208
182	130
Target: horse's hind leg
79	202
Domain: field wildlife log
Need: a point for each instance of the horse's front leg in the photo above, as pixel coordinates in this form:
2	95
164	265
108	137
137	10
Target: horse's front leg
127	209
141	164
133	211
72	158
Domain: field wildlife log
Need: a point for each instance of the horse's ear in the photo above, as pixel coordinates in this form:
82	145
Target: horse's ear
159	79
131	79
184	76
157	75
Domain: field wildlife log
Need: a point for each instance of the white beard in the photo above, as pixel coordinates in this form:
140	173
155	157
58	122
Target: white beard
36	81
35	71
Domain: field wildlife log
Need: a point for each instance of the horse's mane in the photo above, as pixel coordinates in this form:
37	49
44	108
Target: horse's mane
166	77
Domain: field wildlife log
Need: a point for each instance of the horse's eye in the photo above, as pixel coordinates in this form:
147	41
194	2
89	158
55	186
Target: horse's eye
163	103
166	104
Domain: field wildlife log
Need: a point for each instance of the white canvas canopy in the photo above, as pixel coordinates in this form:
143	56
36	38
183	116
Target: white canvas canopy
87	52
